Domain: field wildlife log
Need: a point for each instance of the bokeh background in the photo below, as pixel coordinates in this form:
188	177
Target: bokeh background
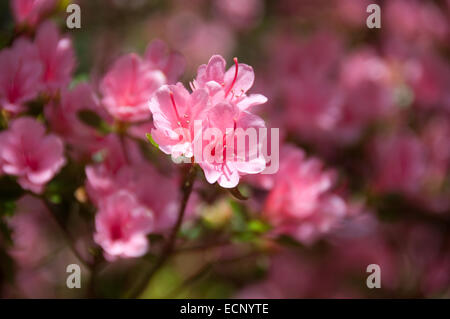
364	119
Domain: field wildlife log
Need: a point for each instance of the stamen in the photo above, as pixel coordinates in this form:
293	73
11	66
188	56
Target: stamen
175	107
235	76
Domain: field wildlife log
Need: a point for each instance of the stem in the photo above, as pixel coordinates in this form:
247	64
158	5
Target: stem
168	249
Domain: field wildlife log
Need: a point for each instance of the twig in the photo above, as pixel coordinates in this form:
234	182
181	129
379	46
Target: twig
186	187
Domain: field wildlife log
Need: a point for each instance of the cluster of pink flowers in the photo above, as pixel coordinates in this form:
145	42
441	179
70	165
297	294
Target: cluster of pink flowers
31	68
364	121
219	101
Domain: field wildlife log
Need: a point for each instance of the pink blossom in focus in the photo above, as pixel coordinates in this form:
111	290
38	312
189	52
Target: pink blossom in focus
31	155
172	64
228	85
31	11
128	86
122	225
301	202
174	113
224	160
20	76
57	57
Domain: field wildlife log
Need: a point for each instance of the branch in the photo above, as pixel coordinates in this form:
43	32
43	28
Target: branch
186	188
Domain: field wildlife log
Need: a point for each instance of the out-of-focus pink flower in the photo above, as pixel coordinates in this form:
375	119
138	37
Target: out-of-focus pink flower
242	14
302	202
31	155
352	13
64	118
368	94
399	163
199	39
224	159
122	224
417	21
231	85
172	64
30	224
429	75
31	11
57	57
306	86
128	86
20	78
134	174
174	113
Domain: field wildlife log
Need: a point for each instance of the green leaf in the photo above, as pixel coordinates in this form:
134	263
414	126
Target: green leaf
151	140
7	208
258	226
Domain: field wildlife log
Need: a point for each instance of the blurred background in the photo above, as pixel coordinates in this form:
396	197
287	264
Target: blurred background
364	119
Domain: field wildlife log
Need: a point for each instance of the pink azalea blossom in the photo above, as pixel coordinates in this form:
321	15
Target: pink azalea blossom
368	94
122	225
231	85
301	202
242	14
31	225
128	86
224	160
57	57
134	174
31	11
174	114
399	162
172	64
29	154
64	118
197	38
20	78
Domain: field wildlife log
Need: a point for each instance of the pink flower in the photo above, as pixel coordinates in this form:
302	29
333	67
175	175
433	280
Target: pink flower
197	38
174	113
368	94
242	14
20	78
31	11
231	85
31	225
224	159
417	21
301	202
134	174
172	64
122	224
31	155
400	163
57	57
128	86
64	118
